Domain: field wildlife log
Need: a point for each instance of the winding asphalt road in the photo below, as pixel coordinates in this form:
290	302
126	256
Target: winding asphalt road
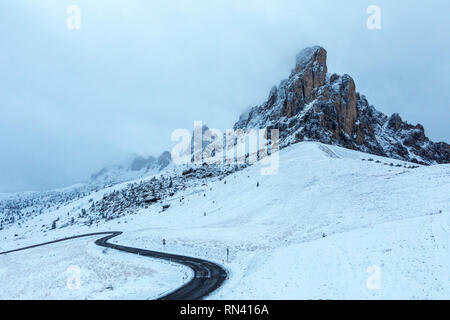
208	276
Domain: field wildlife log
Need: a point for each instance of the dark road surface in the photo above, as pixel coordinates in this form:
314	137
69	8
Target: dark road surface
208	276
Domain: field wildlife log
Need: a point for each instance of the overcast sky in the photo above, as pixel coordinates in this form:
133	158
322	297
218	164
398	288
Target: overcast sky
73	101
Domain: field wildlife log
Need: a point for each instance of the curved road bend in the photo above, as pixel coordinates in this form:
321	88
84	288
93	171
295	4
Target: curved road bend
208	276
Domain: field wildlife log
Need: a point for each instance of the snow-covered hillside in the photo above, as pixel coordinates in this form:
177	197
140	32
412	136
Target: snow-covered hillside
333	223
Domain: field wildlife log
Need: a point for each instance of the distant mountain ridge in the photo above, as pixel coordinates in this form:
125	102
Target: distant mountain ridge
315	105
138	167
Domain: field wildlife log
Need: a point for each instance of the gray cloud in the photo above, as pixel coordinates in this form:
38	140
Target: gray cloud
73	101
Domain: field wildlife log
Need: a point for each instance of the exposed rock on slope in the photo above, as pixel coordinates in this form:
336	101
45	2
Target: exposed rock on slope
315	105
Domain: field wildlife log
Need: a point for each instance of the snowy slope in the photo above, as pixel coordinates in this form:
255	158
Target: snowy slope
311	231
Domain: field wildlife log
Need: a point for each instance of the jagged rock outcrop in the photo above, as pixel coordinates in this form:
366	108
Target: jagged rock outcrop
315	105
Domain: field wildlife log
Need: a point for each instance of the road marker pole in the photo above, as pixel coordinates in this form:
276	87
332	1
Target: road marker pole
228	255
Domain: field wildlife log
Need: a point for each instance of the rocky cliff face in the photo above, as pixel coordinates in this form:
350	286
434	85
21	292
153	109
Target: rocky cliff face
315	105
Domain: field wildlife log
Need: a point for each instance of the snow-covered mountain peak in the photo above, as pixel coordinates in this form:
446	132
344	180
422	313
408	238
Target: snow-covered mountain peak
314	105
136	168
315	55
